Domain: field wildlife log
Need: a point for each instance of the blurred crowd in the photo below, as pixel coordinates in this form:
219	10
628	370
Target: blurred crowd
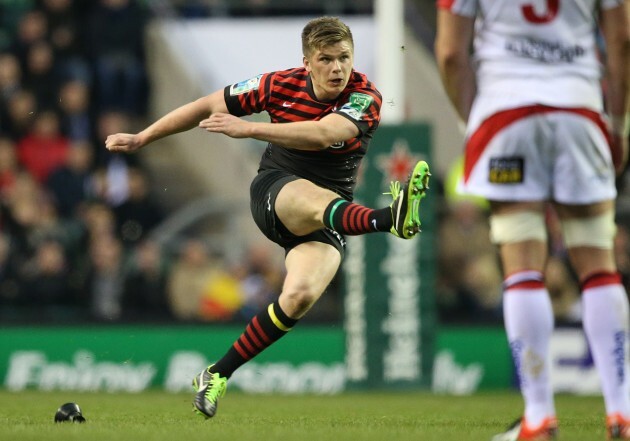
74	219
266	8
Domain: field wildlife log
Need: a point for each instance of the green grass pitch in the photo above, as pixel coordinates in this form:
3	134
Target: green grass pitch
357	416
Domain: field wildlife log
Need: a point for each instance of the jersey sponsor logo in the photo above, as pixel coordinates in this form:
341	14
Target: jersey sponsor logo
245	86
544	50
357	104
506	170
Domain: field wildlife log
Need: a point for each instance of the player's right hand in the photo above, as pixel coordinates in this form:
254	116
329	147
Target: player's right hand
123	143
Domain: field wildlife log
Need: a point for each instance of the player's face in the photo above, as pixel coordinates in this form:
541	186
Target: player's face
330	69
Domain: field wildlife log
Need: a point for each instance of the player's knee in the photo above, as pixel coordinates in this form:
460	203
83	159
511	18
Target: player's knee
596	231
300	298
517	227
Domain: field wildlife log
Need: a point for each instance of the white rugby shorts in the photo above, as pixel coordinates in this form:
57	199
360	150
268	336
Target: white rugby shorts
537	152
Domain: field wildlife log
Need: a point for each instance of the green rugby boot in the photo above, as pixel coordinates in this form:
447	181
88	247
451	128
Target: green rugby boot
406	205
209	387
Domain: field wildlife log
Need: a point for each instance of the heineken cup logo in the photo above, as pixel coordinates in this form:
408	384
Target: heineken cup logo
401	325
354	305
383	277
402	355
398	163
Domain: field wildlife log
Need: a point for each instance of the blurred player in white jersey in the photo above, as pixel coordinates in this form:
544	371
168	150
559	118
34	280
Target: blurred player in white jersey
531	97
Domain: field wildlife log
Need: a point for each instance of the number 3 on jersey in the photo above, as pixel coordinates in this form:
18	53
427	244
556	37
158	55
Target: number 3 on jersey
550	12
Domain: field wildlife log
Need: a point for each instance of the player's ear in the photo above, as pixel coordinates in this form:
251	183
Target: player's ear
307	64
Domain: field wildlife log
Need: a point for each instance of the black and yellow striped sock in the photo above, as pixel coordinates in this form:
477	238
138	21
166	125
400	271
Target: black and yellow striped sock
262	331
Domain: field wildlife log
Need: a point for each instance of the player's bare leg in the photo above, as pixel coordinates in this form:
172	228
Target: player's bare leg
311	267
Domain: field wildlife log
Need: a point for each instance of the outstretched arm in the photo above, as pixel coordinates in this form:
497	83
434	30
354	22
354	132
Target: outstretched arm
452	46
303	135
616	30
179	120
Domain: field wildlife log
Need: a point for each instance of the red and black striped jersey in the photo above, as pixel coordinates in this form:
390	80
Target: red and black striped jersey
288	96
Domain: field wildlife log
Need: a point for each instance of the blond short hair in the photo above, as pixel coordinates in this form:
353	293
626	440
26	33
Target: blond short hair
324	31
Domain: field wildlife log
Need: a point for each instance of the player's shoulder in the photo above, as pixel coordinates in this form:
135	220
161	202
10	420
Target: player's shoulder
294	73
288	81
359	82
358	78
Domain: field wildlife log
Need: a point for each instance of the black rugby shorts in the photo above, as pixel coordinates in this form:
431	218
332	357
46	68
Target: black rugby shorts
263	193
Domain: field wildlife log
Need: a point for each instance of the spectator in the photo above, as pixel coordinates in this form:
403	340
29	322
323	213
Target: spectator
10	289
10	79
45	277
260	277
21	109
20	217
145	283
106	278
98	219
137	215
40	76
9	167
48	224
64	33
10	14
70	184
74	107
44	149
32	28
222	297
65	237
20	212
116	36
190	275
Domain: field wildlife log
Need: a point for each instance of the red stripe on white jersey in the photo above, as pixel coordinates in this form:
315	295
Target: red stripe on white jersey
479	140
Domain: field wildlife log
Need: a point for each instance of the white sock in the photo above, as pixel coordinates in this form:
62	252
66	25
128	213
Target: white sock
606	326
529	323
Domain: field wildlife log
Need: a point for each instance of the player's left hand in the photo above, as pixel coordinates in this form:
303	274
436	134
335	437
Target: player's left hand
227	124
